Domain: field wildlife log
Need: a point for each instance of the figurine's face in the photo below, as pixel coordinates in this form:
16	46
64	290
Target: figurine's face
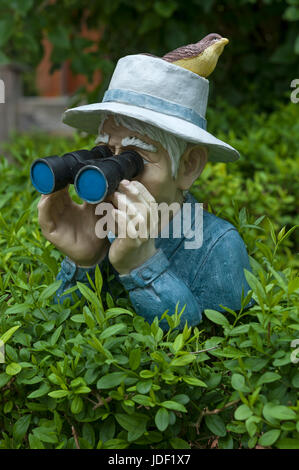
157	175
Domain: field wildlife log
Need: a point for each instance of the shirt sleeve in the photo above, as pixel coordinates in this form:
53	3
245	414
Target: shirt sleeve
221	279
154	288
69	274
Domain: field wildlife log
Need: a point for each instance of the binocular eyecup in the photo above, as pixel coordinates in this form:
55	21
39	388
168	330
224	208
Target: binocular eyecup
95	173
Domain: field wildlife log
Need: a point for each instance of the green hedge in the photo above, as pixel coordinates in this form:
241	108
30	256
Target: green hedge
96	375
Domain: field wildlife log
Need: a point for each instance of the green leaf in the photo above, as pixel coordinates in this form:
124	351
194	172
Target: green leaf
116	311
13	368
251	425
183	360
293	285
58	393
216	317
268	377
178	443
238	383
269	437
8	334
172	405
34	442
295	380
282	412
146	374
134	358
21	427
89	295
255	285
49	291
287	443
111	380
43	390
113	330
142	400
135	424
143	386
162	419
76	405
116	444
194	381
178	343
216	425
243	412
55	336
45	434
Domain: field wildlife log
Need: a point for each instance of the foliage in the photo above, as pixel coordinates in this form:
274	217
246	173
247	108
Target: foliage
96	375
258	65
265	181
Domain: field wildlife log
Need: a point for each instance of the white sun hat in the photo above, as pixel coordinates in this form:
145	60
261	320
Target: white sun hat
159	93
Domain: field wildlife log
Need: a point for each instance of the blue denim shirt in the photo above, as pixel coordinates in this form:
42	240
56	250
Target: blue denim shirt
202	278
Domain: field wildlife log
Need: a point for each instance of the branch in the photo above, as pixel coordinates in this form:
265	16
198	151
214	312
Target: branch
206	412
75	437
218	410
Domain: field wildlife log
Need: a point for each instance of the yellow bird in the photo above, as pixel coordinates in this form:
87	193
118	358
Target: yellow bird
201	57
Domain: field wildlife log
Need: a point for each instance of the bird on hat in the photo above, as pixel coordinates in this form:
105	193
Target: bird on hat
201	58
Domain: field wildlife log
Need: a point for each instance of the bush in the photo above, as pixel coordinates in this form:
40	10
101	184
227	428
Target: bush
96	375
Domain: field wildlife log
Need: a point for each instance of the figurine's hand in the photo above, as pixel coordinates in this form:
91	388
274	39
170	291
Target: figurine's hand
71	228
128	253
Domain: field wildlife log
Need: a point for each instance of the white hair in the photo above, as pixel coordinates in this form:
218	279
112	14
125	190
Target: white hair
174	146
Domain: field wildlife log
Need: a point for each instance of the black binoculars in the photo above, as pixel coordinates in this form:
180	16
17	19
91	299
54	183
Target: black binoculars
95	173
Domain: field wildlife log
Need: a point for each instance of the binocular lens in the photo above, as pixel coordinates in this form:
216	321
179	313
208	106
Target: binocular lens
95	173
91	185
42	177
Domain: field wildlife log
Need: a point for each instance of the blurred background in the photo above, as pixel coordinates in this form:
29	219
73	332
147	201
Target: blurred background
56	54
59	54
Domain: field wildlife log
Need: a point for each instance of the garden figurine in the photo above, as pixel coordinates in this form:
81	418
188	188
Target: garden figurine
155	107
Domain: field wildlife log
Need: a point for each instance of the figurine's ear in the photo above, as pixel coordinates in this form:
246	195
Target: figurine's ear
191	166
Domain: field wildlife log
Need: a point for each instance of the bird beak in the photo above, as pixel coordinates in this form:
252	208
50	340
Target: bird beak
220	44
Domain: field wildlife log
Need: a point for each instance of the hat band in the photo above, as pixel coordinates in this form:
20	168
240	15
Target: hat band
155	104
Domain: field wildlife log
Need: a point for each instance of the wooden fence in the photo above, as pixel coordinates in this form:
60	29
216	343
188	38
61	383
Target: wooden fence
23	114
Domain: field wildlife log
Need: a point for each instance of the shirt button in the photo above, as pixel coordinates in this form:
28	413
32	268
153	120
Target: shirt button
146	274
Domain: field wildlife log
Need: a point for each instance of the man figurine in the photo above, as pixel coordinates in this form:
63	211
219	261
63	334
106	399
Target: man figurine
158	109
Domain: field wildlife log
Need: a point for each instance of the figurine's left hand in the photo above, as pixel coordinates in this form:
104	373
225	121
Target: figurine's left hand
126	254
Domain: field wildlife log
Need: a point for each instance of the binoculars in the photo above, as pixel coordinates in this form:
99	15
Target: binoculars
95	173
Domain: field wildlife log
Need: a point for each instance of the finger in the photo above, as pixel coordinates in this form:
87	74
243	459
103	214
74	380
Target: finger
144	196
123	203
51	207
46	213
135	192
143	191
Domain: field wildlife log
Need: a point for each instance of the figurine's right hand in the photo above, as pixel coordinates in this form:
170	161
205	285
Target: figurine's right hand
71	228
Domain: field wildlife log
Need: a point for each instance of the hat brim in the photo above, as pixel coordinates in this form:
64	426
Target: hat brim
88	117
